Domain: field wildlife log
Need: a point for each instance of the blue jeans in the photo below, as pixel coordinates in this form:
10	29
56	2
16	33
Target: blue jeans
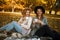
12	25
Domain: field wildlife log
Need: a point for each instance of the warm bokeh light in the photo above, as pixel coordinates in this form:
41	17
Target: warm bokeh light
12	10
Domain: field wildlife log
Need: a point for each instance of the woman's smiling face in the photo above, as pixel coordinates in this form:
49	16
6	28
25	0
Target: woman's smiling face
27	13
39	12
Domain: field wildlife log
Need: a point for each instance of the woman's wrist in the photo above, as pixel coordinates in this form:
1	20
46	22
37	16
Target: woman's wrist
42	23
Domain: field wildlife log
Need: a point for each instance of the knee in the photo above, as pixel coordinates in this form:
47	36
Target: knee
14	22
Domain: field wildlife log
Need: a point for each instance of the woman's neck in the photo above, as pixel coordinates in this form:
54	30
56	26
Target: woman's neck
27	16
40	17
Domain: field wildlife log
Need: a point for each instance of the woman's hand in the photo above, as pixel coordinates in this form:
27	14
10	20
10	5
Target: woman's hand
34	22
42	23
19	23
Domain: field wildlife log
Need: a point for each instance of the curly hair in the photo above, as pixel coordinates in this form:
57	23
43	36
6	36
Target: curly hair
24	11
39	7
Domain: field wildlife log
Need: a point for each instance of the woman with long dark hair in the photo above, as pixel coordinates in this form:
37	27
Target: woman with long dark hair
41	23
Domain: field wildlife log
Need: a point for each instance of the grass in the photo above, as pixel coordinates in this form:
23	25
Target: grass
53	20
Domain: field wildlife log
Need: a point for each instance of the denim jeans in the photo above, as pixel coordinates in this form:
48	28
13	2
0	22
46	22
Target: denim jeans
12	25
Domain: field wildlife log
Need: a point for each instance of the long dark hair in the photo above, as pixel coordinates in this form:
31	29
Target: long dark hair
39	7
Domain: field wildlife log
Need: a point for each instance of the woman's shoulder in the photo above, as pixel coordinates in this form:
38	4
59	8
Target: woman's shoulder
44	17
34	17
21	17
30	17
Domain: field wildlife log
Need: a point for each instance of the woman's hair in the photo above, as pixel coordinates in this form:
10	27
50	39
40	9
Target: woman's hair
24	11
39	7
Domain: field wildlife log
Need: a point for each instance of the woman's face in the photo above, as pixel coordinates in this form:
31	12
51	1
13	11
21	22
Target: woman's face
27	13
39	12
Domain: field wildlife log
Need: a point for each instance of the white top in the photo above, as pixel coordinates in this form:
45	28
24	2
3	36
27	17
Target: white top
25	24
